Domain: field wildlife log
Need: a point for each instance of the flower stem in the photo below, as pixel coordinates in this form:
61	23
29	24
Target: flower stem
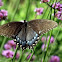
18	1
13	59
27	9
27	55
32	54
4	40
35	16
51	6
20	56
45	53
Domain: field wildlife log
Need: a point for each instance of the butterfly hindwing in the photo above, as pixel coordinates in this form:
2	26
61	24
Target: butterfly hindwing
10	29
42	26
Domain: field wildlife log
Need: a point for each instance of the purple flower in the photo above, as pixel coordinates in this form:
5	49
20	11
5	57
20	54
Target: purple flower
8	53
17	55
51	40
43	39
7	46
1	16
57	6
33	57
60	8
54	59
5	13
39	11
14	46
59	15
43	47
44	1
12	43
1	3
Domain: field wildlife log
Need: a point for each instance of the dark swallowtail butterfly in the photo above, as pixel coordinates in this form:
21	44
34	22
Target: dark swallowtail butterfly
27	33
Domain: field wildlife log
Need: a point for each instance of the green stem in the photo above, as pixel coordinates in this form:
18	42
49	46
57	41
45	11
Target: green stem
45	53
27	55
51	6
15	10
9	60
20	57
48	41
32	54
4	40
27	9
48	14
13	59
44	13
55	40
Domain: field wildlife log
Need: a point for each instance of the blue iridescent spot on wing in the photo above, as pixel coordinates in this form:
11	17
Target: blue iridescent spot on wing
20	42
30	43
32	40
18	39
36	35
23	43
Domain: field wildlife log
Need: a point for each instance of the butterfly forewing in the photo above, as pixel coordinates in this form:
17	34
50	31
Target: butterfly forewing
42	26
10	29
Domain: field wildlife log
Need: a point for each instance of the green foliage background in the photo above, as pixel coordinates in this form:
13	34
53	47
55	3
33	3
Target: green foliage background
18	11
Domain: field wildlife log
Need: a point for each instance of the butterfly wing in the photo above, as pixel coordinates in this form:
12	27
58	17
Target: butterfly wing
10	29
30	34
42	26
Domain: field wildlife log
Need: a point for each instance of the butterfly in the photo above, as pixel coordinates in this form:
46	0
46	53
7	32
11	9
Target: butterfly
26	34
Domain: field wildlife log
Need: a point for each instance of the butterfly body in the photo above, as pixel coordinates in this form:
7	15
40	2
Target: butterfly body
27	33
27	36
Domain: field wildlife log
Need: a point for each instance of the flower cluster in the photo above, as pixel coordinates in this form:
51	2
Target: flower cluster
7	52
58	6
44	1
3	13
54	59
59	15
39	11
51	40
43	39
1	3
10	44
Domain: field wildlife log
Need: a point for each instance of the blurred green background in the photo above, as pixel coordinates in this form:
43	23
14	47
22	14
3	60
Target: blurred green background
17	11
